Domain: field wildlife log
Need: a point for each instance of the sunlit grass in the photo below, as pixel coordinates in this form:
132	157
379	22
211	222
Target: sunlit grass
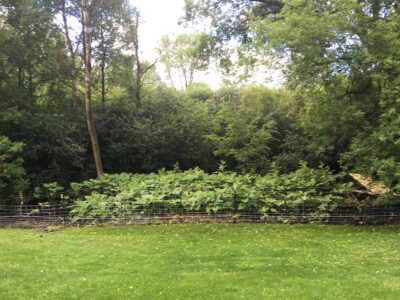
202	262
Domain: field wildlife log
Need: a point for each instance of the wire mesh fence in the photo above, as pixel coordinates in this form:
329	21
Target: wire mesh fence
46	215
33	215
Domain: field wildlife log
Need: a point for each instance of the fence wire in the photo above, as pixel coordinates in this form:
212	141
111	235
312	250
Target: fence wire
39	215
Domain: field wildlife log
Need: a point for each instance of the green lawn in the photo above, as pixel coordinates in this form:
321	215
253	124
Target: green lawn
202	262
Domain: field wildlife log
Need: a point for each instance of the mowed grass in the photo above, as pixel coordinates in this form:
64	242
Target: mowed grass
217	261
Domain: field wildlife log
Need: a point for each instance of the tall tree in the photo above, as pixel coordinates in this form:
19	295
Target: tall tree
86	10
132	43
34	83
73	51
107	26
187	54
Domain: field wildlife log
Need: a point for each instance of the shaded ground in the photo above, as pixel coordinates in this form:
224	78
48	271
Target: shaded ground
215	261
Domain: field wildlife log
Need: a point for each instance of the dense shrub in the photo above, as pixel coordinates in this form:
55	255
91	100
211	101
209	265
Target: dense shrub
173	192
12	173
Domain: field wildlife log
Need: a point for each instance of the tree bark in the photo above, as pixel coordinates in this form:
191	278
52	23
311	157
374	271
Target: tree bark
103	68
141	69
87	47
139	74
72	53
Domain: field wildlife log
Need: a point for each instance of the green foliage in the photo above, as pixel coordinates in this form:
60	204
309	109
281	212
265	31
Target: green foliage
199	92
175	192
229	20
187	54
339	60
34	106
339	105
12	173
247	136
50	192
168	130
376	152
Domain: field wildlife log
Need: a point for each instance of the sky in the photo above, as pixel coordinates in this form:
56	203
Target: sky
159	17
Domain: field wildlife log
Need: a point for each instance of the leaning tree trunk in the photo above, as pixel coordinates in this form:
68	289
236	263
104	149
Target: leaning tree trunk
88	85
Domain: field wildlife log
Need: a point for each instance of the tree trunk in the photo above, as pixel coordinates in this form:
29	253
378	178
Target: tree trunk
375	9
169	73
72	53
103	68
20	77
138	96
31	87
87	47
103	83
140	68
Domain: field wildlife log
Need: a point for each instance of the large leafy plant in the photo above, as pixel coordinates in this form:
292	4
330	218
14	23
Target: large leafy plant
195	191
